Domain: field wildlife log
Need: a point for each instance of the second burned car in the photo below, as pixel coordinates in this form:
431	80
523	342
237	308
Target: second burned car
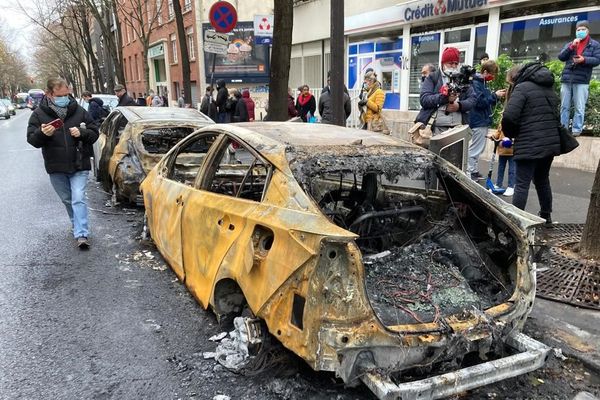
133	139
362	254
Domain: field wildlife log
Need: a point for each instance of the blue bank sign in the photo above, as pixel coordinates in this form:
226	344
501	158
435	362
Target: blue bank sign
421	10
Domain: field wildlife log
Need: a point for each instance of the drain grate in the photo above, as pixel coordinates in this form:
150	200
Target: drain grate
567	279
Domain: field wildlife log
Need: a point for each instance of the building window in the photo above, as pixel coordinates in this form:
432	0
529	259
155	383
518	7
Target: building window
125	69
187	5
137	70
425	50
174	48
480	41
313	71
130	69
190	42
159	11
126	29
171	10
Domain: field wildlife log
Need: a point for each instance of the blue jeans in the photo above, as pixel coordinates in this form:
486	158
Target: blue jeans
71	190
578	94
502	160
221	118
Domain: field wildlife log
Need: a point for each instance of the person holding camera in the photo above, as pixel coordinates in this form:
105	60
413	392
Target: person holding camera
580	57
65	132
443	93
480	117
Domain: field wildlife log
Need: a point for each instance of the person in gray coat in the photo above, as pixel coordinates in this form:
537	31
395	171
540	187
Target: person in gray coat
325	106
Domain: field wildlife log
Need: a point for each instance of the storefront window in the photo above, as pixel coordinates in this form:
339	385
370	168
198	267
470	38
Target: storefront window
425	50
384	56
480	39
526	40
459	36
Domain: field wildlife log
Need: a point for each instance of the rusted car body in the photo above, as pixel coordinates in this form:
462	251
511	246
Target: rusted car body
363	254
133	139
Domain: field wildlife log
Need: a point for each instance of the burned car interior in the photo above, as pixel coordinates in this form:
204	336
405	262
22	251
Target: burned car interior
160	140
429	251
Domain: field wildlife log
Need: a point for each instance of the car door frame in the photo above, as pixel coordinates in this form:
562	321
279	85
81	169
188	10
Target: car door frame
169	193
209	232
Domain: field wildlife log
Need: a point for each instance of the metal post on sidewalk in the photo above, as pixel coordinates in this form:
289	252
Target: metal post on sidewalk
336	85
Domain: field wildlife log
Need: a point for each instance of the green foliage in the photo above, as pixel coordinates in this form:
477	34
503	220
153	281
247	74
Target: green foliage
556	67
504	64
592	108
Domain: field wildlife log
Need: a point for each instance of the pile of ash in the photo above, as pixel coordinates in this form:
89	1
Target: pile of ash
418	283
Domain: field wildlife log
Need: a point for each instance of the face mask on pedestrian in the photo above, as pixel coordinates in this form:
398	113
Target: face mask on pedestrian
488	77
450	68
581	33
61	101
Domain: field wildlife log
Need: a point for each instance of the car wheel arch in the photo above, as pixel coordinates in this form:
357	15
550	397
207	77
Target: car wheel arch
228	301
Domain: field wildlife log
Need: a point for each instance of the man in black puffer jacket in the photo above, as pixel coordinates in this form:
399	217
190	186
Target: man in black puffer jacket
531	119
65	132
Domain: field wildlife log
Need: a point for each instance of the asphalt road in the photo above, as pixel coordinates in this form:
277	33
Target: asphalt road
114	322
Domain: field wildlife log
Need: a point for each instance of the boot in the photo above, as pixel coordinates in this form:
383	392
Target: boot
546	216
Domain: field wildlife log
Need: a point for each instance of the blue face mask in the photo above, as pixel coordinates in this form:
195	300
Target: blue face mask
61	101
580	34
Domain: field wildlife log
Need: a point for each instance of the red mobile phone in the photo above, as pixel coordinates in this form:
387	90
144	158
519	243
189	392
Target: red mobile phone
57	123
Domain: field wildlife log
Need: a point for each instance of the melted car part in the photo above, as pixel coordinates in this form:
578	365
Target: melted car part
438	253
160	140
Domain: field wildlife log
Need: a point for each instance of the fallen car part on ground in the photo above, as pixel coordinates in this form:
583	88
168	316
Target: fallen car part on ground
361	253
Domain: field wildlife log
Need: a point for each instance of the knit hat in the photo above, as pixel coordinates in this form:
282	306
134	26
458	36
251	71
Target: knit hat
450	54
583	23
119	87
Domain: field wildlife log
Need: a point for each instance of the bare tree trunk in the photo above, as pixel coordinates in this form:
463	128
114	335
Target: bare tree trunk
283	21
590	239
184	59
145	47
336	87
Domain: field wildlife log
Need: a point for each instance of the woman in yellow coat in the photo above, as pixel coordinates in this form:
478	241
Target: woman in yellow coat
372	106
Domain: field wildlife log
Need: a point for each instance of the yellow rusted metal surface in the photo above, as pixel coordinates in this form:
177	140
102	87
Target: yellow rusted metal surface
208	238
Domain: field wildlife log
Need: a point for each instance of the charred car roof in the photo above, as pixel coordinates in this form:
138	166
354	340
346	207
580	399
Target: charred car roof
163	114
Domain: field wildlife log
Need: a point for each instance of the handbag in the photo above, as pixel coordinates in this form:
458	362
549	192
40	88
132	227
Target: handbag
378	124
421	134
567	142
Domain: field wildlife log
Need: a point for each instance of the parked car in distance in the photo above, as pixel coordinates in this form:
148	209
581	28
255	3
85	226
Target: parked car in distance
9	105
35	96
4	113
133	139
363	254
21	100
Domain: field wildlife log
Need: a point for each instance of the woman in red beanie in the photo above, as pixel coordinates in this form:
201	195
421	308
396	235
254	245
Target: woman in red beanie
448	109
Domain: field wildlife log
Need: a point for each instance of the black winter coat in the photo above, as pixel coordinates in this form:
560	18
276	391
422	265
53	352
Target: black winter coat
62	152
95	108
326	109
531	114
309	107
222	96
240	113
125	100
431	98
579	73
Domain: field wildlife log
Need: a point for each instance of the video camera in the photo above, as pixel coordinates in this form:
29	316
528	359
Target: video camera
461	80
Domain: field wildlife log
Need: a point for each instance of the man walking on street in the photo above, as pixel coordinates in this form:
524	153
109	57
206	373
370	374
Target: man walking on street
65	132
580	56
480	117
95	107
124	99
325	106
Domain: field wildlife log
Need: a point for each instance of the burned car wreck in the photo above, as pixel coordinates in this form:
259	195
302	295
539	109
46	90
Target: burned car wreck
133	139
363	254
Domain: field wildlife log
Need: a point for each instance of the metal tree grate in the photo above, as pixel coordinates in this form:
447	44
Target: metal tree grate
568	279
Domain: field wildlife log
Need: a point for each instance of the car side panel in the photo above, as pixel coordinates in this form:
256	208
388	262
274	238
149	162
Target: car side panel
211	224
168	199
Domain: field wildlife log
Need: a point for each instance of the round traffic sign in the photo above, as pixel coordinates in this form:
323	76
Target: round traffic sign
223	16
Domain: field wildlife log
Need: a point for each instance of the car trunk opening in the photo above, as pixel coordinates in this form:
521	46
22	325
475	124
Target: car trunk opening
431	248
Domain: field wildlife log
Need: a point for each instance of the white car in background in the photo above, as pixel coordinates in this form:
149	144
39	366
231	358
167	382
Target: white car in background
110	101
8	104
4	112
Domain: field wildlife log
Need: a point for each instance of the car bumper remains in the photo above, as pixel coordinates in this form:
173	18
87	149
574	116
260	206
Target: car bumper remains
532	355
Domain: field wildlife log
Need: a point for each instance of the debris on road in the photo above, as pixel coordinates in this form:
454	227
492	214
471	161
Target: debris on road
233	352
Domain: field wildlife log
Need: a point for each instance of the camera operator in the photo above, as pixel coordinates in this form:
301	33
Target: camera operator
450	101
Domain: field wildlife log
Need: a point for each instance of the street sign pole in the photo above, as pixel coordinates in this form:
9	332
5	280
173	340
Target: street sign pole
212	80
336	85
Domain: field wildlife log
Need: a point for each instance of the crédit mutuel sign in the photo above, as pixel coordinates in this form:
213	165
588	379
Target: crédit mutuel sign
420	10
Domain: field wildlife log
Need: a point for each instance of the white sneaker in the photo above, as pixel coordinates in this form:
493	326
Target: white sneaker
508	192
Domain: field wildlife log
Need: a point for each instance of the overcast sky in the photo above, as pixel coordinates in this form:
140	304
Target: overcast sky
17	28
